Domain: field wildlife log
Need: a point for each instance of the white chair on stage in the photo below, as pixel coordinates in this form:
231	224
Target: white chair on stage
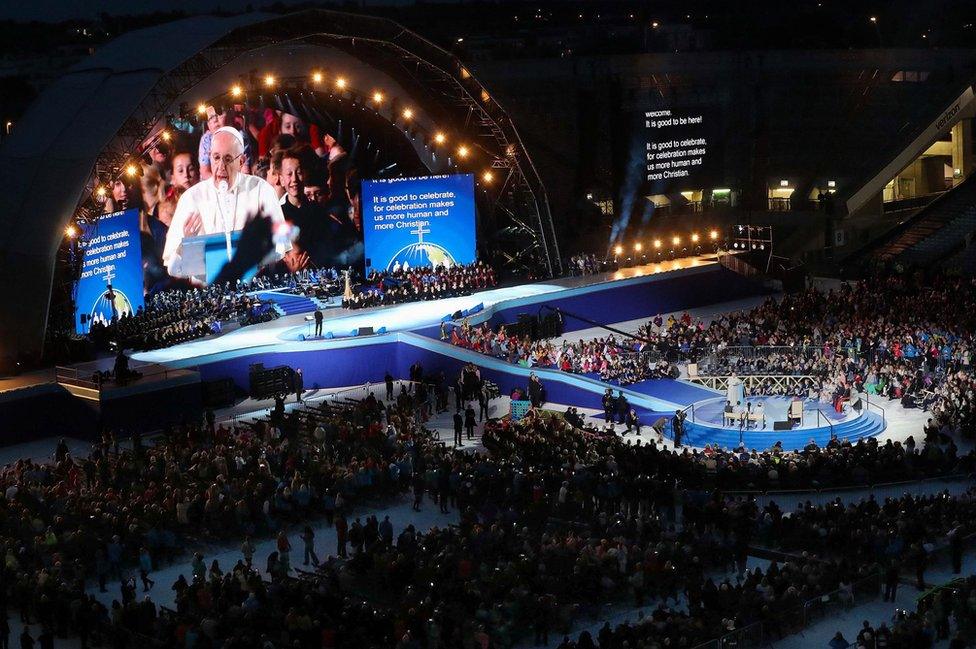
795	413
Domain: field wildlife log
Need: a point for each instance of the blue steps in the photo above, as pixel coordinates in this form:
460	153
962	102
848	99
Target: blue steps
867	425
289	304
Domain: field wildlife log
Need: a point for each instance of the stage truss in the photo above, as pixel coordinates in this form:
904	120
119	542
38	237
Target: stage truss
518	214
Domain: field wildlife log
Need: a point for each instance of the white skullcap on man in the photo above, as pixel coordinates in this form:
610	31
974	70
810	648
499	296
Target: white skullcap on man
232	131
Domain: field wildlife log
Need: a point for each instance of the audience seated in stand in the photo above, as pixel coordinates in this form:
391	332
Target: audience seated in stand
405	284
175	316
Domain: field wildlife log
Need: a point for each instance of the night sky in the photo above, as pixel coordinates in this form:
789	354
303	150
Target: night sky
59	10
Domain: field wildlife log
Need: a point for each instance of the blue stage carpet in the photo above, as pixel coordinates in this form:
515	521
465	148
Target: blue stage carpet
678	392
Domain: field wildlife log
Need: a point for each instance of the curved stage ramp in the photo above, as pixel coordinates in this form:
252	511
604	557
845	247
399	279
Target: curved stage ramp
412	336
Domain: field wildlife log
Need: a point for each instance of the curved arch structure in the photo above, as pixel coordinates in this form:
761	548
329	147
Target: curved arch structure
87	125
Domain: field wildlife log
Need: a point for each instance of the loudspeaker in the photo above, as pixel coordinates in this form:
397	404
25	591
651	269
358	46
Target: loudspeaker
218	393
364	331
782	425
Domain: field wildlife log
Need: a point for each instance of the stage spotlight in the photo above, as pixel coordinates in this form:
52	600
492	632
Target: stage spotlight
100	191
269	81
202	109
407	113
638	247
713	235
71	231
440	138
340	83
132	170
462	151
694	238
317	77
378	97
488	176
619	250
236	91
657	244
165	136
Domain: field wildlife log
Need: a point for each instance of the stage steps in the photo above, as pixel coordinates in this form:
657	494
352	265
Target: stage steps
289	303
867	425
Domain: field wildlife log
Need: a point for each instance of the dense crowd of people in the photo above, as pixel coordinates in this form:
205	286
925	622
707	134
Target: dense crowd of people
405	284
878	337
555	520
616	361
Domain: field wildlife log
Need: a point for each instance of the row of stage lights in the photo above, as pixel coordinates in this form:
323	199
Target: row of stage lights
134	170
658	244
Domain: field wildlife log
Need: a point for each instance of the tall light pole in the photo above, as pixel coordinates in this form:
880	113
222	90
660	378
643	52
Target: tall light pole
877	30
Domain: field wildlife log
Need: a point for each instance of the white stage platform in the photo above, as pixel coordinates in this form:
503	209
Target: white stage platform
401	317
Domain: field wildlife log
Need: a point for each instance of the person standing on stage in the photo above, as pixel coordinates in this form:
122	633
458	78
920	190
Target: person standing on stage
678	427
388	380
483	403
319	317
469	421
458	428
299	385
608	403
622	407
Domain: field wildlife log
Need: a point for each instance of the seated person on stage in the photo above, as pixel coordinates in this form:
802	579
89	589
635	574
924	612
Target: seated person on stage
728	413
738	412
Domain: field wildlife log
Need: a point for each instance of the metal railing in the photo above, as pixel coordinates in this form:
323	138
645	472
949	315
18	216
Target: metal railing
83	375
822	417
869	405
787	382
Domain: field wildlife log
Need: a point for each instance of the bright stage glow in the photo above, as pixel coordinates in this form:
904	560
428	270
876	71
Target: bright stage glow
440	138
713	235
131	170
71	231
407	113
269	81
657	244
462	151
166	136
694	238
378	97
202	108
619	250
236	91
100	191
487	176
638	247
340	83
676	240
317	77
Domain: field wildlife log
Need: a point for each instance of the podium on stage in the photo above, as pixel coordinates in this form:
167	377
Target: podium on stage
204	256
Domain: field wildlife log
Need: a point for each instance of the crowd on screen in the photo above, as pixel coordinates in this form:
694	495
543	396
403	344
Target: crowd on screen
406	284
314	177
